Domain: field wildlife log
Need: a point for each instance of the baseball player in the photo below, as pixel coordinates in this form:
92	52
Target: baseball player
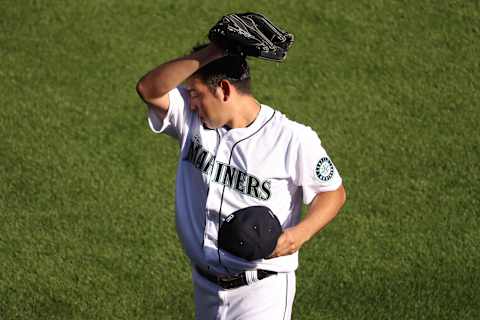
236	153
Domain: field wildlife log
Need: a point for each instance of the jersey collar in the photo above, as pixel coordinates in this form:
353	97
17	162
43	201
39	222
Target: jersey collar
263	116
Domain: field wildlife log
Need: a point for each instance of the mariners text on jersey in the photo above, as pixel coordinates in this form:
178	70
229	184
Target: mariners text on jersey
226	174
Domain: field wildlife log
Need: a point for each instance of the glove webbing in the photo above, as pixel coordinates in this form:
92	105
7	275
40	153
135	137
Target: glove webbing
252	27
262	20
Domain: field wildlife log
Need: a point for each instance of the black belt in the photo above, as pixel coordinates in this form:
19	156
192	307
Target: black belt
233	281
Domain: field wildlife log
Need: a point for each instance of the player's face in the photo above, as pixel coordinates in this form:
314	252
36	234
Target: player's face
209	105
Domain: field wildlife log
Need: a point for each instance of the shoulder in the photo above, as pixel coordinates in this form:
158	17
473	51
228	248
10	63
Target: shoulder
180	92
289	130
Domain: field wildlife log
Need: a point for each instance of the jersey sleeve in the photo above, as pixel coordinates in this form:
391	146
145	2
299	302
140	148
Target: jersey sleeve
177	117
314	170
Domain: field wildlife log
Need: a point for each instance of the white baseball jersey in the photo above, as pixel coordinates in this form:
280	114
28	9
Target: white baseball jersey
274	162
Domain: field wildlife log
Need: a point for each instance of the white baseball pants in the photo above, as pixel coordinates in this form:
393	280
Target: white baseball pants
267	299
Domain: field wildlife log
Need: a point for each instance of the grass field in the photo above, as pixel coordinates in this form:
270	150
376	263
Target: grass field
87	191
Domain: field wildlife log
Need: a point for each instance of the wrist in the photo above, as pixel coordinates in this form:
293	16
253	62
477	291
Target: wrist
305	230
206	55
216	51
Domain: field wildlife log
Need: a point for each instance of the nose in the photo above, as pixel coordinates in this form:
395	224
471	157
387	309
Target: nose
193	107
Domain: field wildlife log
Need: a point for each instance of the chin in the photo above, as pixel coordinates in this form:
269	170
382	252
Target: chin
208	125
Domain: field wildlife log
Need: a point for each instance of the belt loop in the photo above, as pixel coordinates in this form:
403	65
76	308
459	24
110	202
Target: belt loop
251	276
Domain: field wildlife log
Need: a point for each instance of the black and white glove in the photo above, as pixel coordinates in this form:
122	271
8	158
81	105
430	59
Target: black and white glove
251	34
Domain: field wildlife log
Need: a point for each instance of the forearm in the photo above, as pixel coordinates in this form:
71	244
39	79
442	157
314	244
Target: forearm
321	212
169	75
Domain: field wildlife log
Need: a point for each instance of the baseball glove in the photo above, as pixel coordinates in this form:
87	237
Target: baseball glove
251	34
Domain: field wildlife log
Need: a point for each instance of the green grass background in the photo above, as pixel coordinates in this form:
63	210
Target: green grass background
87	191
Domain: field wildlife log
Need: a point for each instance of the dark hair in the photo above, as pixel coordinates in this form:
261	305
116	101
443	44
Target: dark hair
232	68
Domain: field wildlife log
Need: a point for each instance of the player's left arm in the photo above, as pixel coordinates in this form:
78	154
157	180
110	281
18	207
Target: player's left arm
321	211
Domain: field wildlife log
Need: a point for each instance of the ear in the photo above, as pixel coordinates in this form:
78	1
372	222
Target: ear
224	90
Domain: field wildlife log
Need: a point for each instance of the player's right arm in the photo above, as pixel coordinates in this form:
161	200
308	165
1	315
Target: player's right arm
154	87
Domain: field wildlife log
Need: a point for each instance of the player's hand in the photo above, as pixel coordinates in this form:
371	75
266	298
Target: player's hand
289	242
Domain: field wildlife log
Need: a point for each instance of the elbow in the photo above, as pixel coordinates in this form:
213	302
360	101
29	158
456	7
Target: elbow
140	89
143	91
342	195
148	92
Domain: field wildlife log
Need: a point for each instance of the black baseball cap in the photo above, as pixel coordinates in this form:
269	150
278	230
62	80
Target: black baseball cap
250	233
